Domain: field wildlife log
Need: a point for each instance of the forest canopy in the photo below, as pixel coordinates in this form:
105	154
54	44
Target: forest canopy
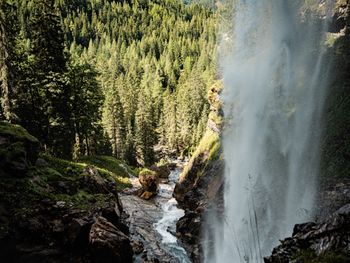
108	77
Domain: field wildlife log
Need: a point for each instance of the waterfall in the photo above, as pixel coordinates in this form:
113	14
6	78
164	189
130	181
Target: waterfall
275	79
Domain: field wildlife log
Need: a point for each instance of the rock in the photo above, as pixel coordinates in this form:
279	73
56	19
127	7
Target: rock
93	181
149	183
194	194
147	195
19	150
137	247
41	163
78	232
108	243
60	204
148	180
58	226
162	171
329	236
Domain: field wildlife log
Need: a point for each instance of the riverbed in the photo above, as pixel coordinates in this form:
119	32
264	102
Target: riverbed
153	223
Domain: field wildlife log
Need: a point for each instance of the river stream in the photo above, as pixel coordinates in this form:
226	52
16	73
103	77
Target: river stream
153	223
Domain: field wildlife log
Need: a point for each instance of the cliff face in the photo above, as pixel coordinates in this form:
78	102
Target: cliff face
201	183
335	147
327	240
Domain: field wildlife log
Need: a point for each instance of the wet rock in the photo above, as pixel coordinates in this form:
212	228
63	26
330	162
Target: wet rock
195	194
331	235
137	247
339	17
108	243
147	195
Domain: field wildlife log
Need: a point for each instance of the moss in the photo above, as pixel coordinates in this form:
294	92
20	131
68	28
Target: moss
146	171
215	118
109	163
16	132
309	256
209	146
14	150
47	174
83	199
73	170
209	143
331	39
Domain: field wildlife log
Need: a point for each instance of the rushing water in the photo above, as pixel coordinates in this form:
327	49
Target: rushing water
275	79
166	226
153	222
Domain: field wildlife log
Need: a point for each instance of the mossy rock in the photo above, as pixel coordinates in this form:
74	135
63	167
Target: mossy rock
16	133
19	150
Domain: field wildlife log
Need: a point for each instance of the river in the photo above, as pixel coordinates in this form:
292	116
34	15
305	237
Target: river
153	223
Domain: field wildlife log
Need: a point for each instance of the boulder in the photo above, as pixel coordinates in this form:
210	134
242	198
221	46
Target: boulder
149	182
18	149
108	243
93	181
162	171
332	236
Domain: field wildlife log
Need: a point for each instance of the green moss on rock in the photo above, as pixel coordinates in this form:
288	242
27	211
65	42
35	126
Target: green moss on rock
16	132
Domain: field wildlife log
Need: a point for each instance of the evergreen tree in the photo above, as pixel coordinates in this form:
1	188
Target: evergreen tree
144	134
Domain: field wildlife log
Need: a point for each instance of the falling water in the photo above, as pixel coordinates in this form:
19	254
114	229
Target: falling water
275	78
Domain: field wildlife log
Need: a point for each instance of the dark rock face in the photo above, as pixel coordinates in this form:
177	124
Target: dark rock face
331	235
195	196
58	233
109	244
335	145
200	187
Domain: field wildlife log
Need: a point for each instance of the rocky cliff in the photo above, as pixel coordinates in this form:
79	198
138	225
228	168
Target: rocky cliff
201	183
327	239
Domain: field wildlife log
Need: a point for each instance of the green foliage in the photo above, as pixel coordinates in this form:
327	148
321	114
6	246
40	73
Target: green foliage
103	164
156	61
109	163
100	77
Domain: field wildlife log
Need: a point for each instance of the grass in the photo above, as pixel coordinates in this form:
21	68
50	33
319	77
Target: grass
209	145
109	163
23	195
108	167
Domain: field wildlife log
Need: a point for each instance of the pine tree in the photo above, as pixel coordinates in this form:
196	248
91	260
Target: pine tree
144	133
85	101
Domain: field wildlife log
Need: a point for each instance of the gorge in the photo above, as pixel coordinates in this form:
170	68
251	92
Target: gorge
175	131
